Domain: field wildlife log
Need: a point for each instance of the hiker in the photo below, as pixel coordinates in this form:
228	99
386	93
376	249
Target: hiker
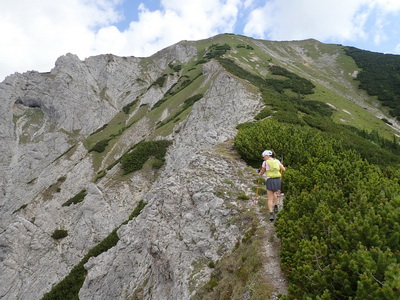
274	169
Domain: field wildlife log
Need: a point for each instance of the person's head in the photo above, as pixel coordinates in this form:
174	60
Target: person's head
267	154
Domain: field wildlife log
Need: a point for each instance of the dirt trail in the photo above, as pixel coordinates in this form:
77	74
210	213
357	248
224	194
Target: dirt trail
271	251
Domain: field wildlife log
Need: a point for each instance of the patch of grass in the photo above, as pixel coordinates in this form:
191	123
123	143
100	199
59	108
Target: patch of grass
54	188
137	210
351	113
175	105
243	196
48	75
100	129
115	127
186	104
240	272
101	144
100	175
183	82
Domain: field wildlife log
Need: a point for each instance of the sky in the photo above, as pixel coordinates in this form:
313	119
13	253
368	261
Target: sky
33	34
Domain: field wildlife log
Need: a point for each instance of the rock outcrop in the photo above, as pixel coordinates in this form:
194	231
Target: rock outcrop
45	120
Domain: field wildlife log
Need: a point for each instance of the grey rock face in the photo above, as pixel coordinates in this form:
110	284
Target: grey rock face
184	220
44	119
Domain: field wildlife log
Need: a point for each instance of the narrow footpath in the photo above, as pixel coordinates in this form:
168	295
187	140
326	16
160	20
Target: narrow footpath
271	251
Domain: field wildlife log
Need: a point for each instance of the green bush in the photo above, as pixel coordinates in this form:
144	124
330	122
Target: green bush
288	117
340	227
243	196
138	209
177	68
295	82
292	143
317	122
76	199
192	100
134	160
217	50
126	109
379	76
100	146
160	80
201	61
59	234
264	113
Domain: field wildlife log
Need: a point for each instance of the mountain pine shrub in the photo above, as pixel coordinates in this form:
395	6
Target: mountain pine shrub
100	146
76	199
126	109
379	76
340	225
59	234
135	159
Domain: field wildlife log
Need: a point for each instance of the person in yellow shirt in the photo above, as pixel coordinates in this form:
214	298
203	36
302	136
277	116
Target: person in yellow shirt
273	168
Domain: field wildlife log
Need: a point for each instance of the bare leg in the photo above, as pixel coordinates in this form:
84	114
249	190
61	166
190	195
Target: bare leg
276	197
271	200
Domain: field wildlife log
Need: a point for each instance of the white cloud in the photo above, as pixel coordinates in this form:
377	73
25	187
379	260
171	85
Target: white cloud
329	20
386	12
181	19
174	21
35	33
340	19
388	5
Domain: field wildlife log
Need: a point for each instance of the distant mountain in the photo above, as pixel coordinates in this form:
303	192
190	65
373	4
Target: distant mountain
121	177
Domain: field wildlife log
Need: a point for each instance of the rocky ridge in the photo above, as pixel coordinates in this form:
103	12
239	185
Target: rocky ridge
157	249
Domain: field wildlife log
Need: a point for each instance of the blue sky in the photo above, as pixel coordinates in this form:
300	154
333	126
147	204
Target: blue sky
35	33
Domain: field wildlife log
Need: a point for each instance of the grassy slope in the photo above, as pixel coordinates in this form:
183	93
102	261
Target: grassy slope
327	66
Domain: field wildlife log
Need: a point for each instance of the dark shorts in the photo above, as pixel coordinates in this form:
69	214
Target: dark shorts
274	184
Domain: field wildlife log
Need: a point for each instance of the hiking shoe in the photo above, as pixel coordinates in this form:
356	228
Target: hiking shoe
271	216
276	209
